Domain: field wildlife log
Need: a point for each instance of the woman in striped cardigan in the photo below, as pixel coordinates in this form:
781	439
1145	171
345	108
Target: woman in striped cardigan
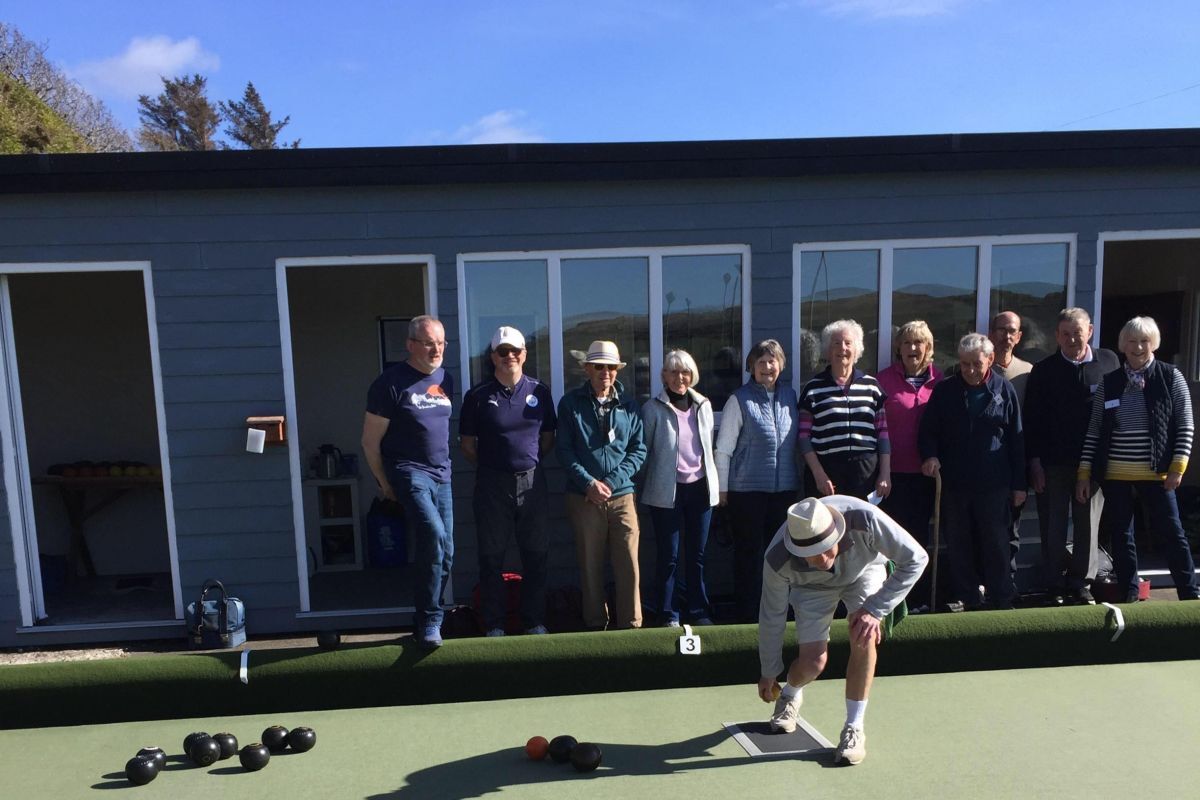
1139	439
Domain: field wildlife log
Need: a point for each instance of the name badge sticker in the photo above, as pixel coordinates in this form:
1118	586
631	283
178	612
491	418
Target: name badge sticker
1112	403
612	435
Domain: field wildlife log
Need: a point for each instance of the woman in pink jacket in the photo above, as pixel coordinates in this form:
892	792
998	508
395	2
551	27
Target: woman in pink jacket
909	382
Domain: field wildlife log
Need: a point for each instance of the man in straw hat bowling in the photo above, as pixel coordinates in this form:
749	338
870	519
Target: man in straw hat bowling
830	550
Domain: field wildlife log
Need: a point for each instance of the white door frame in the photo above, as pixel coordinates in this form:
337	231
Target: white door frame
16	455
429	270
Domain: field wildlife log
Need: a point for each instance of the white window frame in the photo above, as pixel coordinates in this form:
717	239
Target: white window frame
554	259
887	248
428	265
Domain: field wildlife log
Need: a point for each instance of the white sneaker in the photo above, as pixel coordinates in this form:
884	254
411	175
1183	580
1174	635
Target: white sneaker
787	713
495	632
852	748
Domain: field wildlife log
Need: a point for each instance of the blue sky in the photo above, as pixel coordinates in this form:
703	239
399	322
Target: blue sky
376	73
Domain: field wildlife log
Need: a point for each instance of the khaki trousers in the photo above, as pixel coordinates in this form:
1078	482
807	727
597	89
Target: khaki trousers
610	529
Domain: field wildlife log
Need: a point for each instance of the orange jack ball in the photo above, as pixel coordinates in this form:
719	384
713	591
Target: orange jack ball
537	747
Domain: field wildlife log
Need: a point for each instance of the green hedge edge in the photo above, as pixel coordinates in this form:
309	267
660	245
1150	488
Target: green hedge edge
357	676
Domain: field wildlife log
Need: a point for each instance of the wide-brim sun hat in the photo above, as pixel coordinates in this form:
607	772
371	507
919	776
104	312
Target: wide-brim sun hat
813	528
603	352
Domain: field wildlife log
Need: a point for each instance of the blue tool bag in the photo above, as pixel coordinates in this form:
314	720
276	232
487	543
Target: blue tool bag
216	623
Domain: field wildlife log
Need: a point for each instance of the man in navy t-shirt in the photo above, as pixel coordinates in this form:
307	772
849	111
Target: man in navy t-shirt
406	441
507	425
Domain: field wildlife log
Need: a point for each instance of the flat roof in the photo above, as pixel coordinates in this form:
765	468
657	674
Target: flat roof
621	161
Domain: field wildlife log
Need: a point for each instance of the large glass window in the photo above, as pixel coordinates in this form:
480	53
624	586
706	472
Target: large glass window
507	293
607	298
837	284
935	284
702	314
1031	279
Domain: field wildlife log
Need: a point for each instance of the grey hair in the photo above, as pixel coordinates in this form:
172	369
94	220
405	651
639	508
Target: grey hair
843	325
975	343
1074	314
681	359
416	323
1144	326
767	347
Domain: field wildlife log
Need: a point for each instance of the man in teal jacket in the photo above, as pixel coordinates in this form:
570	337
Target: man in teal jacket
600	446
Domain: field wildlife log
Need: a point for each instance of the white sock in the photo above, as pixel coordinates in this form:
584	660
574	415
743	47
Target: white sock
790	691
855	711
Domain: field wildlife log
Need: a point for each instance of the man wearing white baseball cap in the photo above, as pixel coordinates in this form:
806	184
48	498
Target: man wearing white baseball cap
831	549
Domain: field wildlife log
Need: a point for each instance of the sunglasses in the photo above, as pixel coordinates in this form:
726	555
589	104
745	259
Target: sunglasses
606	367
505	352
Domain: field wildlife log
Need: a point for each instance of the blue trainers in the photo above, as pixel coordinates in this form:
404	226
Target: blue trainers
431	638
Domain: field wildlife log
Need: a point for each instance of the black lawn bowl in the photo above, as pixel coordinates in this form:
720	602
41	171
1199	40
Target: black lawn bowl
156	753
275	738
191	739
302	739
329	640
586	756
140	770
205	752
228	743
561	747
254	756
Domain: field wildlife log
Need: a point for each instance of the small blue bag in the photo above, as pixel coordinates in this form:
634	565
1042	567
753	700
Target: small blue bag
216	623
387	537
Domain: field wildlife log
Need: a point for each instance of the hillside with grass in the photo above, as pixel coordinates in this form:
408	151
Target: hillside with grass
27	125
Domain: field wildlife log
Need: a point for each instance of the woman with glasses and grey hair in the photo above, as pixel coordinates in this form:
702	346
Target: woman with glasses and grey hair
1139	440
679	485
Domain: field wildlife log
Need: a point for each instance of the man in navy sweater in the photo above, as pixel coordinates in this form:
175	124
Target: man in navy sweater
1058	402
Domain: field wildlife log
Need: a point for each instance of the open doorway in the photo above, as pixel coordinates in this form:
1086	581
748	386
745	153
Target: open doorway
343	319
93	526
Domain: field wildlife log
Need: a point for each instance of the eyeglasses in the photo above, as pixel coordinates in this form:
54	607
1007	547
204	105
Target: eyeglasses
607	367
1009	331
507	352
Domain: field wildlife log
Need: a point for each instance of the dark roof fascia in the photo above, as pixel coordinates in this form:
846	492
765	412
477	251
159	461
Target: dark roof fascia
624	161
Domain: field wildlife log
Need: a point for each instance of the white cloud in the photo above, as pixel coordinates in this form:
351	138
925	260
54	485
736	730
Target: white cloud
138	70
499	127
884	9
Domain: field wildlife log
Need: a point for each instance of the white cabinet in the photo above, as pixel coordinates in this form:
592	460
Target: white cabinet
332	523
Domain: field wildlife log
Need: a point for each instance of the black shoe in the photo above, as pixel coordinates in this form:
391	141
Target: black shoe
1083	596
1131	597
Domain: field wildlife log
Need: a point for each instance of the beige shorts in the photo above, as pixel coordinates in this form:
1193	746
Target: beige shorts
814	606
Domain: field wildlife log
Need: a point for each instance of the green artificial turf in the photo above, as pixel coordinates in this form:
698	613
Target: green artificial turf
164	687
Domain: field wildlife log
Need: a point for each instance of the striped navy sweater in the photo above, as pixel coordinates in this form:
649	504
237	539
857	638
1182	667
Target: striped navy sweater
846	419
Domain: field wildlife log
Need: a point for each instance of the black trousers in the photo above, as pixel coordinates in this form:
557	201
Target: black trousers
754	517
853	475
509	505
978	525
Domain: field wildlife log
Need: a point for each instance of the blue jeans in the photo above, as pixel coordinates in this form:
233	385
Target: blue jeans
1165	525
429	512
692	514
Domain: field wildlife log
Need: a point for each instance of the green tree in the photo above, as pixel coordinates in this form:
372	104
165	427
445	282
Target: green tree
250	122
25	63
181	118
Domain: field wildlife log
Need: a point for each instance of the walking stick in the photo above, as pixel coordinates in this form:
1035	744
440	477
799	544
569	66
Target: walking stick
937	528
